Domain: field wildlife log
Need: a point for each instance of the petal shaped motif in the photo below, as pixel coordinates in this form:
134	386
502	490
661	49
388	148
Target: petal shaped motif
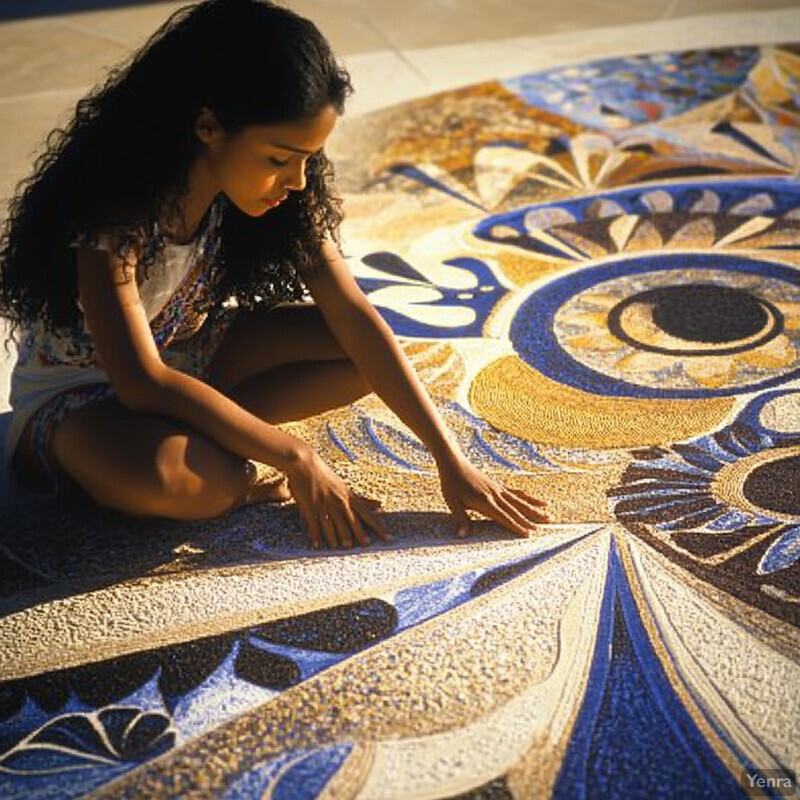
78	741
783	552
597	271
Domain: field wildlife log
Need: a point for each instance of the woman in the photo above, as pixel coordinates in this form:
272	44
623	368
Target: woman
151	268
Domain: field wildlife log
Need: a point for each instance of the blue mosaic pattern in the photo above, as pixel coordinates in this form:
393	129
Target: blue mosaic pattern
637	89
534	339
631	716
660	607
91	724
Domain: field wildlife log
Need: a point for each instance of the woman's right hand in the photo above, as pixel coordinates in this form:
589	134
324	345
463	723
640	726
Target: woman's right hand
328	507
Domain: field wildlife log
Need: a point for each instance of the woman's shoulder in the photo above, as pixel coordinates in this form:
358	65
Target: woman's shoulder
129	245
134	247
107	241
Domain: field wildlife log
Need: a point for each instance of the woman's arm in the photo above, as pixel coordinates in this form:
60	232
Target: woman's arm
143	383
370	343
127	352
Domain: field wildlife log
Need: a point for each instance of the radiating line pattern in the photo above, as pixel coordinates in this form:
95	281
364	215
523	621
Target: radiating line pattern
595	271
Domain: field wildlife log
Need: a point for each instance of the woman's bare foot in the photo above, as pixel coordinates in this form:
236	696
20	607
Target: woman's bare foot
269	486
277	492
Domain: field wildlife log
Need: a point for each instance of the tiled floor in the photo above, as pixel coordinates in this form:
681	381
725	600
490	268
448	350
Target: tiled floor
394	50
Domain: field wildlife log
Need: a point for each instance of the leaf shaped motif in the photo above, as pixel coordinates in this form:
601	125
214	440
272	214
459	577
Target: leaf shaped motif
392	264
12	699
783	552
265	669
106	682
341	629
79	741
186	665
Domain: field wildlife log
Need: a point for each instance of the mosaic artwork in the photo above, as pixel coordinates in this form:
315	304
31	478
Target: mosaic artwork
596	270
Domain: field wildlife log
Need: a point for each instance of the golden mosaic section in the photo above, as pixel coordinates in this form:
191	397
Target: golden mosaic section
439	366
579	494
519	400
394	221
445	129
573	489
523	270
522	740
442	676
774	79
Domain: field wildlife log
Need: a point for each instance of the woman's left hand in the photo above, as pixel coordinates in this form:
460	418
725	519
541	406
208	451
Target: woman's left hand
465	487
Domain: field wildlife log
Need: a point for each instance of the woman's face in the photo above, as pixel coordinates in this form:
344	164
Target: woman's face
257	166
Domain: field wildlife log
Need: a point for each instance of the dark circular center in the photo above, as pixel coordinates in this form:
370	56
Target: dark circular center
775	486
707	313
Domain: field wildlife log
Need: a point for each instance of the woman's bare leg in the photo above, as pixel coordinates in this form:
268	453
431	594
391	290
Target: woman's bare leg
284	365
149	466
298	391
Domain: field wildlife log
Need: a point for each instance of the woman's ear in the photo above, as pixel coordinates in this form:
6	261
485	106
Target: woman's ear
207	127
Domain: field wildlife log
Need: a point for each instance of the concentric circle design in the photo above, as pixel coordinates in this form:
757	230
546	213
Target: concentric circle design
648	326
697	319
775	486
595	270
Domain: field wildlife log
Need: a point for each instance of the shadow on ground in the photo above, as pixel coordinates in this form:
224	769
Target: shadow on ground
51	549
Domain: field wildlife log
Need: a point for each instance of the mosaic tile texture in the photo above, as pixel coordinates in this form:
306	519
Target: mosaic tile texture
596	270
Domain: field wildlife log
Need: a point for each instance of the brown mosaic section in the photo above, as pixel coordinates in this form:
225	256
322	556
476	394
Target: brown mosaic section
777	594
775	486
444	129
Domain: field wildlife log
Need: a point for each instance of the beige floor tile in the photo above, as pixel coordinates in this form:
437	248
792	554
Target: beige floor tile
381	79
698	7
348	30
458	21
42	55
342	22
127	26
26	122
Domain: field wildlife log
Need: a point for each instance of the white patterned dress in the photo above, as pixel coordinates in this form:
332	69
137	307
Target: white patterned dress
59	371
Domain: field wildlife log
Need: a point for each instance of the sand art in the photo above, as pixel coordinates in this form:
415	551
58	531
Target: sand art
596	269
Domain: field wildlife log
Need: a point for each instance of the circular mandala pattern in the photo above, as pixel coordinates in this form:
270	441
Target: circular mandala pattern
607	338
718	496
673	297
676	320
666	325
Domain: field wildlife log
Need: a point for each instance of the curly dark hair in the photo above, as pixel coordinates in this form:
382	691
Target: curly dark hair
122	162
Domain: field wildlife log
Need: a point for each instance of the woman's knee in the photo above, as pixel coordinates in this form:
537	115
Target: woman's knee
148	470
260	341
195	479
